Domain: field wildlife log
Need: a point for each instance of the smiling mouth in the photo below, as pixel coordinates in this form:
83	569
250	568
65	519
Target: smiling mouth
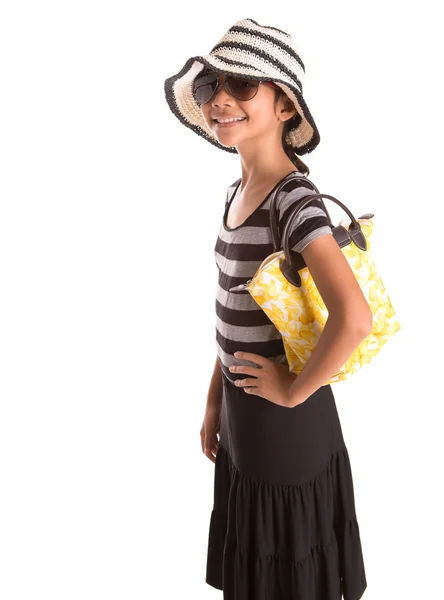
228	122
228	125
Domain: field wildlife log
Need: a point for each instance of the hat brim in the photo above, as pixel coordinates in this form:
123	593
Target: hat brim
303	137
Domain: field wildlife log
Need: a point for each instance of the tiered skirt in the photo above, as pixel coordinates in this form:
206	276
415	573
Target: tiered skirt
283	524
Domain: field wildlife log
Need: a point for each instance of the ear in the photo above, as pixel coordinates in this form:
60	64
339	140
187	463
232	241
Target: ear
288	109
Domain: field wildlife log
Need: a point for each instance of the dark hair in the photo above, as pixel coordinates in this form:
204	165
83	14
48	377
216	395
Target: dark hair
288	124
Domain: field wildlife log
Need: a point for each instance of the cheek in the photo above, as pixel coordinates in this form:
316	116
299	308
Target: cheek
258	122
205	113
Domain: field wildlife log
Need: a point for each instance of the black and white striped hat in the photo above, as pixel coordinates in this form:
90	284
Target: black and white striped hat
257	52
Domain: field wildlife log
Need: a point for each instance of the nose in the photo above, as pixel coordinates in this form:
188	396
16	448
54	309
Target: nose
222	90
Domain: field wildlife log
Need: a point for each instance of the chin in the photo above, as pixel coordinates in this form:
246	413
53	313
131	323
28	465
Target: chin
226	141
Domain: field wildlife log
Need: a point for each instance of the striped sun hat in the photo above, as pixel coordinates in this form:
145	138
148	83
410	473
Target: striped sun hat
256	52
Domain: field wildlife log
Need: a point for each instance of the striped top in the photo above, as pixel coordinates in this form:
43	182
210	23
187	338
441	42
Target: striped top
241	324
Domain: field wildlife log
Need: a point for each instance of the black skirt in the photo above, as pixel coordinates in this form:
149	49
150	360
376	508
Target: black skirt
283	524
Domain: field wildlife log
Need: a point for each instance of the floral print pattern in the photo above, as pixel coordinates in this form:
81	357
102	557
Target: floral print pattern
299	313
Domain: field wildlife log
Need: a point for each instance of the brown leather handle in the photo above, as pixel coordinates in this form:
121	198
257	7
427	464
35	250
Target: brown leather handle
294	261
273	212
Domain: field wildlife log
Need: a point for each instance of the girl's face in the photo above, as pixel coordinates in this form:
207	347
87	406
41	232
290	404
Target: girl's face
260	115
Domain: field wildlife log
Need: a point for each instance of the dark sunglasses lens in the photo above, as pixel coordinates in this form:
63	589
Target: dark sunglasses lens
242	89
204	87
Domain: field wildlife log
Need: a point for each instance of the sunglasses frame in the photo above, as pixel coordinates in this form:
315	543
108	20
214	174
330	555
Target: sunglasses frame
218	86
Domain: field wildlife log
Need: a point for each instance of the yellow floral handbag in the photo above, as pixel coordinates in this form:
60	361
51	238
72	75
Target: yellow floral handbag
286	292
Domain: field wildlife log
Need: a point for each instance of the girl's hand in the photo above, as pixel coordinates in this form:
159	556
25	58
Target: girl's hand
272	381
209	431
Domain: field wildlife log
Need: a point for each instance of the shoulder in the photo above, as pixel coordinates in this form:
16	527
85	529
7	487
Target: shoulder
293	192
310	222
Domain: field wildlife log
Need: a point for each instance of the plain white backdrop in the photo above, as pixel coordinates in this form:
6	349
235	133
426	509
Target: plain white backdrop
107	307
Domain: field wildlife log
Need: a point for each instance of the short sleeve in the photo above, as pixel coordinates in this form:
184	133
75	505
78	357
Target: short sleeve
311	222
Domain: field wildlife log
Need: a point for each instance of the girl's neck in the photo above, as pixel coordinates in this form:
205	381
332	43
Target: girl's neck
257	179
262	166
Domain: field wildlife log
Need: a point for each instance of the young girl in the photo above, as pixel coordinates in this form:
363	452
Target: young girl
283	524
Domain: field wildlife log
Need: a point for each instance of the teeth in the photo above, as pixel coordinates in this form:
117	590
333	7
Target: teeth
230	120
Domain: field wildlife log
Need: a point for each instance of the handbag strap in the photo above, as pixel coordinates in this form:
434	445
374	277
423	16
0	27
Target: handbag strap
354	229
273	211
293	262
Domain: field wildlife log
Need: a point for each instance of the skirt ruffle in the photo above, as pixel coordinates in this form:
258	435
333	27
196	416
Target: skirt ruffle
271	541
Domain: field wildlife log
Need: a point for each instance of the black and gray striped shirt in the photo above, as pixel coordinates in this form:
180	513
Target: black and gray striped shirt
241	324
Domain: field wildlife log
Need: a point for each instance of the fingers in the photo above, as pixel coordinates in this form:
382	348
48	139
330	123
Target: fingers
209	454
210	443
210	448
260	360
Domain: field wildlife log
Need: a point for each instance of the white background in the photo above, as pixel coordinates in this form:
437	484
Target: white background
107	309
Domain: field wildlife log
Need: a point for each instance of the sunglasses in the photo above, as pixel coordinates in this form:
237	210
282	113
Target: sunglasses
207	84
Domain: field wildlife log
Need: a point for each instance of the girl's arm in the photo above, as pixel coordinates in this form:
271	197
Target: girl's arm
349	319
